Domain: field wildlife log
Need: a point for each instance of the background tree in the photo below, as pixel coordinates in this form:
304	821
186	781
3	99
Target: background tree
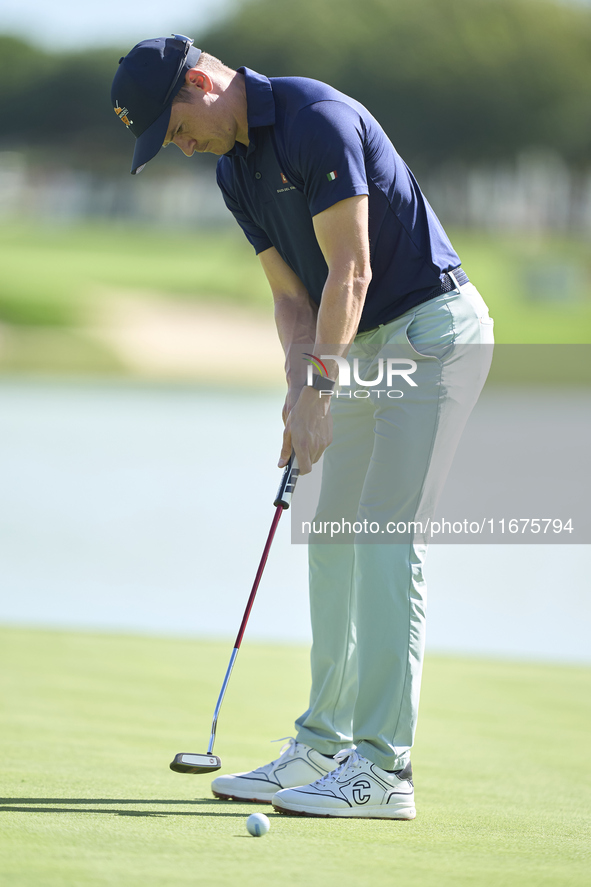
470	80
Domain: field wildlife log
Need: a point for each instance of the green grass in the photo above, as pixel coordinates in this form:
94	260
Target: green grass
51	275
538	288
90	723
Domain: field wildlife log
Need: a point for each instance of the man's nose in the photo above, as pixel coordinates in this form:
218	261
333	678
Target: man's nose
185	144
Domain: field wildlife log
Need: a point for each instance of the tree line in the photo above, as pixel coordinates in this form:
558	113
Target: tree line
467	80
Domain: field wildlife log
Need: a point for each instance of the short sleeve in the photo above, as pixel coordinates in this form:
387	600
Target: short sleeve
326	146
255	235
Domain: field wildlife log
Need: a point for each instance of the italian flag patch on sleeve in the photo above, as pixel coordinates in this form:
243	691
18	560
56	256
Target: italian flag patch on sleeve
331	176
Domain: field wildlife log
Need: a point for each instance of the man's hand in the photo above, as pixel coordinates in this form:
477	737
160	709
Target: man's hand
308	430
291	398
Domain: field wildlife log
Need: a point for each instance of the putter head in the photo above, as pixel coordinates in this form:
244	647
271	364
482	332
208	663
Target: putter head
189	763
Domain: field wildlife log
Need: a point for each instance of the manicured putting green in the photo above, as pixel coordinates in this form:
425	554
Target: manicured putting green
90	723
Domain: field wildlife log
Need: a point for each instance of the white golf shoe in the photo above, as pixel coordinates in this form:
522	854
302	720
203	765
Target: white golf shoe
296	765
356	788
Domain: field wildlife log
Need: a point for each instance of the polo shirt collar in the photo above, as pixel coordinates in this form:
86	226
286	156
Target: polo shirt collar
260	108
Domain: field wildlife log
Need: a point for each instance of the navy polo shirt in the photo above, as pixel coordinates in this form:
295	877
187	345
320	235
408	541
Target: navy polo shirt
311	146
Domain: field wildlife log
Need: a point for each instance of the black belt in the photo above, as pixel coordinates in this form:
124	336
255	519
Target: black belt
448	283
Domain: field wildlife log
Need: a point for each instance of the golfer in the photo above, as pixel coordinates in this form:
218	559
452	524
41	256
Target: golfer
362	273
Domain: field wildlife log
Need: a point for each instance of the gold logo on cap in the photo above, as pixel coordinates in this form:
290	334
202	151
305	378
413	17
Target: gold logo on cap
122	114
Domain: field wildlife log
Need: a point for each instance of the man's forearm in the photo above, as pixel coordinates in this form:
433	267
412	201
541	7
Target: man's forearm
296	325
342	234
308	424
339	314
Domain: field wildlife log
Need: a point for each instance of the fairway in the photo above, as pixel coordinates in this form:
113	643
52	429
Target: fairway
90	723
57	276
121	300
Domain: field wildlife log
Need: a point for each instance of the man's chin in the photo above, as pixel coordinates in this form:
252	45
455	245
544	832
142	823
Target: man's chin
210	148
216	148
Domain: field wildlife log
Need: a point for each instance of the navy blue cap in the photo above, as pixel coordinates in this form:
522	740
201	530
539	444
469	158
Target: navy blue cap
146	82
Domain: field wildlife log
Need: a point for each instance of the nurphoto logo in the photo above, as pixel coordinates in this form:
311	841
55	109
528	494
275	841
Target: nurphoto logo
388	371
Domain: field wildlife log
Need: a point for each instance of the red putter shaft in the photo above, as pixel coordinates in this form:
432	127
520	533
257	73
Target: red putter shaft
282	501
258	577
190	763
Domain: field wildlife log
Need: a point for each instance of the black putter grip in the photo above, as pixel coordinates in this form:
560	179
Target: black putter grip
288	482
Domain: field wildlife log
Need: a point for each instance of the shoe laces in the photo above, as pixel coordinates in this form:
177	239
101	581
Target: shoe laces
289	749
346	757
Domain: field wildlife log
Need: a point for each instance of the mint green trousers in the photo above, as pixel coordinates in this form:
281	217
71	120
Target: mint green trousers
388	460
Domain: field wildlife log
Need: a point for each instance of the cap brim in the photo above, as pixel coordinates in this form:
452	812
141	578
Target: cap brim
149	143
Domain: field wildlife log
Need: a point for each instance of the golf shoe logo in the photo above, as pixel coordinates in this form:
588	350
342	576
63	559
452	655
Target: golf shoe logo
361	791
358	791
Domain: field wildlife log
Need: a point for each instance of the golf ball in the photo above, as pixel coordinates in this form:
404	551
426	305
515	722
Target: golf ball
258	824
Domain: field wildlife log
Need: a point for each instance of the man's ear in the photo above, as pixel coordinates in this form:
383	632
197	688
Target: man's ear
199	79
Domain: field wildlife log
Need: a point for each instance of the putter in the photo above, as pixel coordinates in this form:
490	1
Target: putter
207	763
